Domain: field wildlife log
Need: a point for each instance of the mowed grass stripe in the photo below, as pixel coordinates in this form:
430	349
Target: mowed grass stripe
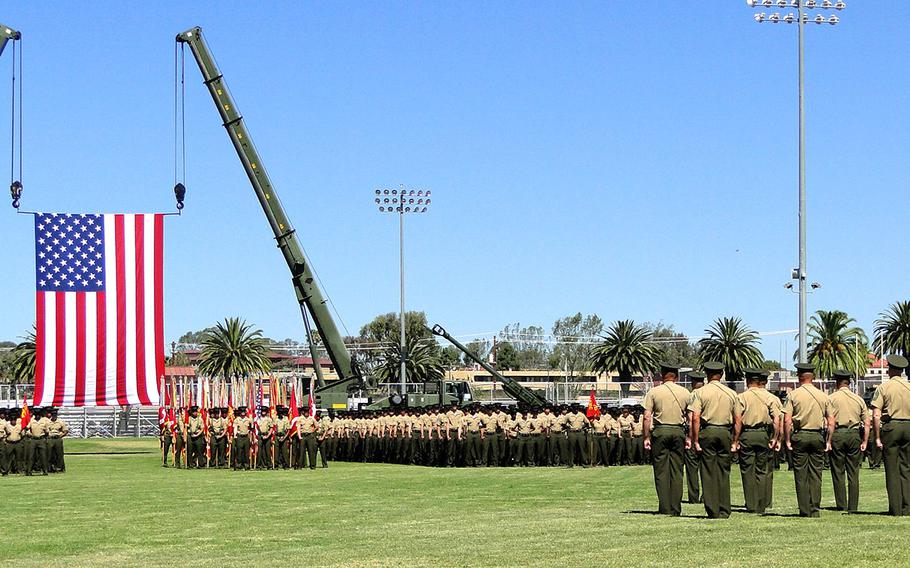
126	510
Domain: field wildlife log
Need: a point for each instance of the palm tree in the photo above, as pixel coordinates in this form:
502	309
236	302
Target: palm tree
892	329
233	349
627	348
23	359
422	362
731	342
834	343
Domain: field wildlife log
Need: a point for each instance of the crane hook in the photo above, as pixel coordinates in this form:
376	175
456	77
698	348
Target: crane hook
180	194
15	191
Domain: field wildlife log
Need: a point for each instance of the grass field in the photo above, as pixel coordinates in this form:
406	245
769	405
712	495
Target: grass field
125	510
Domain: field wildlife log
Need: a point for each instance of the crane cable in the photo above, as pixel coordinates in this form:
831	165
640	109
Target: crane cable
179	125
15	182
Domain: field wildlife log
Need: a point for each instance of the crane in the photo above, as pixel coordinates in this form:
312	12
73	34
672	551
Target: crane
7	33
309	296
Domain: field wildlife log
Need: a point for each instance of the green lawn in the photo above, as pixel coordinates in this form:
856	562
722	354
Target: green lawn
125	510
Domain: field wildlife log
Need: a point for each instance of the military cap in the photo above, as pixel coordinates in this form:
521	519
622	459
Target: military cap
301	409
669	368
194	408
2	412
696	375
241	409
805	368
713	367
842	374
897	361
752	372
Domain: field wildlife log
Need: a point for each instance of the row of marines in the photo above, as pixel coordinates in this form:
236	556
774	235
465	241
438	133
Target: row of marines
717	423
32	446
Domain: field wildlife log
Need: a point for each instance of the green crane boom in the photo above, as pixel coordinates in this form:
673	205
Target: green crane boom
6	34
305	287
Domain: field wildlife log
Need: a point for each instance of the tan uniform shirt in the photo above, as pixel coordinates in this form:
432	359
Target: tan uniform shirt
456	419
3	425
602	425
759	407
577	422
667	403
717	403
306	425
282	425
195	426
472	423
614	426
893	398
546	421
38	428
809	408
14	430
625	423
638	426
523	425
559	423
242	425
489	423
57	429
264	426
849	409
219	427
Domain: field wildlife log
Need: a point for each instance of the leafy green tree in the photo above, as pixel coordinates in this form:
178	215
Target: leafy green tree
479	347
673	346
731	342
574	341
234	349
385	328
22	358
835	343
507	357
892	329
449	356
192	338
422	363
528	341
628	349
771	365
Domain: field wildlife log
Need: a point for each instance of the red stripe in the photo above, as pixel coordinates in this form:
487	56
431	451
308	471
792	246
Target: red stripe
121	309
60	378
80	350
101	358
159	296
140	310
39	348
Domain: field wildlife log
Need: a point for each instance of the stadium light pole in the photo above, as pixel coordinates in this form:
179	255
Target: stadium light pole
801	18
404	202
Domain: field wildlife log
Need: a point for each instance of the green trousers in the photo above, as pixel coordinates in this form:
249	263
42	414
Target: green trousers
808	461
35	455
601	449
472	449
55	460
489	449
577	448
626	448
714	468
693	487
756	469
560	446
240	452
308	450
896	452
846	460
4	457
196	453
668	444
219	451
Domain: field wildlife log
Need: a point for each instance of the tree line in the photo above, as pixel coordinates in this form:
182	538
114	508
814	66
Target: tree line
576	344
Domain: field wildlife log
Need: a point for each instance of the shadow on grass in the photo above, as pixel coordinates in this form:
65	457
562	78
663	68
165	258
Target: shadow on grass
656	514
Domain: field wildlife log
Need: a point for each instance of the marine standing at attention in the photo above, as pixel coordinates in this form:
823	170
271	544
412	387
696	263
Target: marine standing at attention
851	436
891	413
691	457
665	409
714	431
759	439
808	425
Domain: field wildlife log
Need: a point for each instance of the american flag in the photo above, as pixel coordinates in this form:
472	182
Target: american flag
100	309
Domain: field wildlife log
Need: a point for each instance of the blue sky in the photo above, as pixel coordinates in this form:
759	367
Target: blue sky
635	159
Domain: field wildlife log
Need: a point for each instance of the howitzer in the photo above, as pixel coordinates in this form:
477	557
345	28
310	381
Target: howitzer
522	394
